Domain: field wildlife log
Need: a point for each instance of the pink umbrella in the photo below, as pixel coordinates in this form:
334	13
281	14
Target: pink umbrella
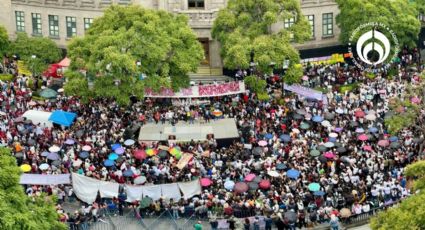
140	154
264	184
359	113
329	155
205	182
383	143
241	187
305	78
415	100
250	177
367	148
86	148
362	137
262	143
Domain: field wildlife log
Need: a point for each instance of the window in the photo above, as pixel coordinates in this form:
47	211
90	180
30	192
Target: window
328	27
71	26
287	23
310	19
54	25
20	21
196	4
36	24
87	23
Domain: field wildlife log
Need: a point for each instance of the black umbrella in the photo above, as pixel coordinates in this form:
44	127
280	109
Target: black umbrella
257	151
56	163
337	144
257	179
341	149
253	186
163	154
323	159
354	124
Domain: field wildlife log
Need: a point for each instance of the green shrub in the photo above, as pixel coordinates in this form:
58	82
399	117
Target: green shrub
263	96
6	77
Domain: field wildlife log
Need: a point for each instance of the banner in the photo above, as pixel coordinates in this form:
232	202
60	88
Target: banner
108	189
184	160
43	179
190	189
211	90
171	191
306	92
85	188
152	191
133	193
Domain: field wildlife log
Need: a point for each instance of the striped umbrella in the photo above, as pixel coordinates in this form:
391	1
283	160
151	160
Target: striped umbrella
151	152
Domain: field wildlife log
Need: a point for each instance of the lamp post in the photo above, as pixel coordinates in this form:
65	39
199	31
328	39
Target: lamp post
33	57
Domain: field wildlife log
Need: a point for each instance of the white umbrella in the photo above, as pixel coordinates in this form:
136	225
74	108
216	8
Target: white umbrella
86	148
273	173
77	163
54	149
371	117
334	135
129	142
326	123
297	131
44	166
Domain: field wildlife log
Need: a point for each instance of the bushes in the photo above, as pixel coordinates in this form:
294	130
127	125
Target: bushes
6	77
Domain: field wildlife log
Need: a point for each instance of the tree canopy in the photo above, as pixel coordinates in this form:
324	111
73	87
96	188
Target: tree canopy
411	212
129	41
399	15
245	29
4	41
17	210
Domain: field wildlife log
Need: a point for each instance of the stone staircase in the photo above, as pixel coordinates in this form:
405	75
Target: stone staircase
206	75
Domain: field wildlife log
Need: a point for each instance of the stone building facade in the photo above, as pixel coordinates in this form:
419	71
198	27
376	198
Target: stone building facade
62	19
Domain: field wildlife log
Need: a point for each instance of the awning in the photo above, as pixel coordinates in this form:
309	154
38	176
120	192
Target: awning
62	118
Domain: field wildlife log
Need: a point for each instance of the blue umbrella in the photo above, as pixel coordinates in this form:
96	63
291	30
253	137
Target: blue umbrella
332	139
293	174
319	193
268	136
84	155
128	173
44	154
373	129
53	156
393	139
285	138
115	146
317	119
108	163
113	156
280	166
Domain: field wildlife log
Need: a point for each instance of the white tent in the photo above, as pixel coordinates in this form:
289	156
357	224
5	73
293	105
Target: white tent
38	117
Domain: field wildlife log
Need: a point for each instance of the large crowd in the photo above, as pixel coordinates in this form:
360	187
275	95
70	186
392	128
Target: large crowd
304	161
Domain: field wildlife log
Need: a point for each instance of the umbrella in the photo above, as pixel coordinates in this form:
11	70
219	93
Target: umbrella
301	111
317	119
53	156
129	142
25	168
116	146
329	155
140	154
415	100
354	123
43	166
69	142
205	182
151	152
339	111
262	143
268	136
359	130
83	155
322	148
297	116
334	135
128	173
217	113
341	149
273	173
108	163
250	177
373	129
44	154
48	93
257	151
326	123
395	145
329	116
362	137
371	117
322	159
304	125
77	163
393	139
56	162
264	184
319	193
291	216
359	114
140	180
329	144
257	179
314	187
62	118
383	143
113	156
338	129
119	150
86	148
293	174
285	138
367	148
163	154
296	130
280	166
241	187
145	202
345	212
314	153
229	185
253	186
54	149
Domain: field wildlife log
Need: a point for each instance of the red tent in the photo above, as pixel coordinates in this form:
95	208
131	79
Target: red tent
52	71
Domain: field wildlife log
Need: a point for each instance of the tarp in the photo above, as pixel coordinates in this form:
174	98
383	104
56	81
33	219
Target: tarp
62	118
85	188
134	193
43	179
152	191
108	189
190	189
306	92
171	191
38	117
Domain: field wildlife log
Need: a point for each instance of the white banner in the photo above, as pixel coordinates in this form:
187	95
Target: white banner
190	189
43	179
152	191
85	188
133	193
108	189
211	90
171	191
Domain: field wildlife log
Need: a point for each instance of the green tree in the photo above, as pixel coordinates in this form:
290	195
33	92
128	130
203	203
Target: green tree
17	210
4	41
43	48
246	31
398	15
128	41
410	214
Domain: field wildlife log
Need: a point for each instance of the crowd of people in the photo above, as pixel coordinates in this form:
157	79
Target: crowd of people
315	159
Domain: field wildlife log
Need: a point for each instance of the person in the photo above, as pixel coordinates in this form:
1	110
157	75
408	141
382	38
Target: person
198	226
247	224
256	223
214	223
269	222
334	222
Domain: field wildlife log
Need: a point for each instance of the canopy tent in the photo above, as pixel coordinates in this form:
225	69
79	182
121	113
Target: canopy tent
65	62
38	117
62	118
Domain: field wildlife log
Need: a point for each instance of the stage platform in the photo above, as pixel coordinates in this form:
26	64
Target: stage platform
184	132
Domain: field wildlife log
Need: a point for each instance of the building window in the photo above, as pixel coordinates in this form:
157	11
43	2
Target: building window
310	19
328	27
36	24
287	23
71	26
20	21
54	25
87	23
196	4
